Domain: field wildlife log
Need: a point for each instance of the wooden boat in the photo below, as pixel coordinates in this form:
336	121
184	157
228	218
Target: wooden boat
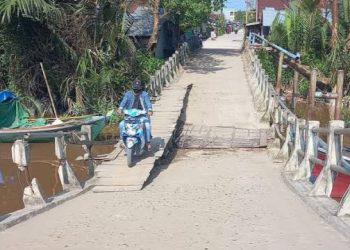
8	135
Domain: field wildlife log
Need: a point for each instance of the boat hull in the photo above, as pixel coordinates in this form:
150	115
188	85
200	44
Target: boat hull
97	124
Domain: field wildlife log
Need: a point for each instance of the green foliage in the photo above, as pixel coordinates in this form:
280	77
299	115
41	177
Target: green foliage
89	59
221	26
241	16
268	62
279	33
148	63
192	13
303	87
36	9
270	65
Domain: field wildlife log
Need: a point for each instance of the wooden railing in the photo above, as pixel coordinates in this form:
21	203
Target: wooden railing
313	76
298	140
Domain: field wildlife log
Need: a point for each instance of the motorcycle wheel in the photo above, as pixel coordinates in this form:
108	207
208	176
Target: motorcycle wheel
129	156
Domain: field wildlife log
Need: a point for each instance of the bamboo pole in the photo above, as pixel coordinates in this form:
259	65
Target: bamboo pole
279	74
311	96
295	89
338	102
49	90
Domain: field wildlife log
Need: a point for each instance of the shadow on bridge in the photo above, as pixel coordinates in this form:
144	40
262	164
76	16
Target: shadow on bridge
171	151
207	60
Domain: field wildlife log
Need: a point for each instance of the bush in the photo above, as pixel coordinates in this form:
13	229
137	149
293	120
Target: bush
303	87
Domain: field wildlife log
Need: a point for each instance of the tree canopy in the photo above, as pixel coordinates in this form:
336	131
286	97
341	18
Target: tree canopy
193	13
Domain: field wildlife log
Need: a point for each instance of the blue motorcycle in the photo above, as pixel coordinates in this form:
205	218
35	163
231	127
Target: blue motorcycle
133	134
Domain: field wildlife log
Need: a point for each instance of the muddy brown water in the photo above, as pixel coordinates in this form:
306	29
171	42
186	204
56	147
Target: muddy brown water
43	166
321	113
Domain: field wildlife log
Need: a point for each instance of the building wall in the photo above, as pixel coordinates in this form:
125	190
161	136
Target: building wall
276	4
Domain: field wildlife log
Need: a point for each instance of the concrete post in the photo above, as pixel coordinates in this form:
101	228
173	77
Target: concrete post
324	182
256	81
33	195
170	71
261	107
153	86
87	148
293	162
255	69
344	207
270	107
177	58
176	69
173	70
305	168
284	152
65	172
21	154
158	82
258	91
166	74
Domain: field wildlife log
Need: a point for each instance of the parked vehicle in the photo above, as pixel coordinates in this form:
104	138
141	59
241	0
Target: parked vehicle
133	134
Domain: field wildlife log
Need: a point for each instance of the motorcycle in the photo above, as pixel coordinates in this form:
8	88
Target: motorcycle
133	134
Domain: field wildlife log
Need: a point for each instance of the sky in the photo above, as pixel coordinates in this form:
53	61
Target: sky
235	4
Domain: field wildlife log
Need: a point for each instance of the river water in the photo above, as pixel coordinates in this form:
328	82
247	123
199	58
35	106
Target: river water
43	166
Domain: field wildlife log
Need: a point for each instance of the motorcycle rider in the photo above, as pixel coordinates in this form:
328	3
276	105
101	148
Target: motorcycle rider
138	99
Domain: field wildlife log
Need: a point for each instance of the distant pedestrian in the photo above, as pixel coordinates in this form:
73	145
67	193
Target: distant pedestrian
213	35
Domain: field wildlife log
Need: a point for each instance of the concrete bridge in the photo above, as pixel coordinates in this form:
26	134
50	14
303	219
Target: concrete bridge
204	195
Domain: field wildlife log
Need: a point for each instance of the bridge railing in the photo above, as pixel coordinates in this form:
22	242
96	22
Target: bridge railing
298	141
314	77
168	72
21	155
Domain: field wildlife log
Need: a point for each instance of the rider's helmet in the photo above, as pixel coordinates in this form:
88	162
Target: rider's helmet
137	86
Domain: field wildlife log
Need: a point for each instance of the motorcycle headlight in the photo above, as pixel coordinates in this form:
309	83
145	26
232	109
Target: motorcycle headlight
130	144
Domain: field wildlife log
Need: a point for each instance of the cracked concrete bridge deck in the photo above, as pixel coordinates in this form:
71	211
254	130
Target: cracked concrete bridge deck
202	199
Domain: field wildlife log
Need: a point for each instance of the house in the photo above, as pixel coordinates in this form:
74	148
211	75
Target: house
267	10
277	5
142	28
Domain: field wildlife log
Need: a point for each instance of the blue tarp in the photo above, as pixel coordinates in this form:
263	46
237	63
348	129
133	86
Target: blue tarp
6	96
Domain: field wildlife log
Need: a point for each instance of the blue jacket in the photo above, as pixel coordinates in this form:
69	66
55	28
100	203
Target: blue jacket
129	97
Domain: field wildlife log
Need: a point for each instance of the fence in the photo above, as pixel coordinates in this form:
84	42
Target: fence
21	155
298	140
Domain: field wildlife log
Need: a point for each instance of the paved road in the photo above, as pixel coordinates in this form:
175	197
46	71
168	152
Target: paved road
202	200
